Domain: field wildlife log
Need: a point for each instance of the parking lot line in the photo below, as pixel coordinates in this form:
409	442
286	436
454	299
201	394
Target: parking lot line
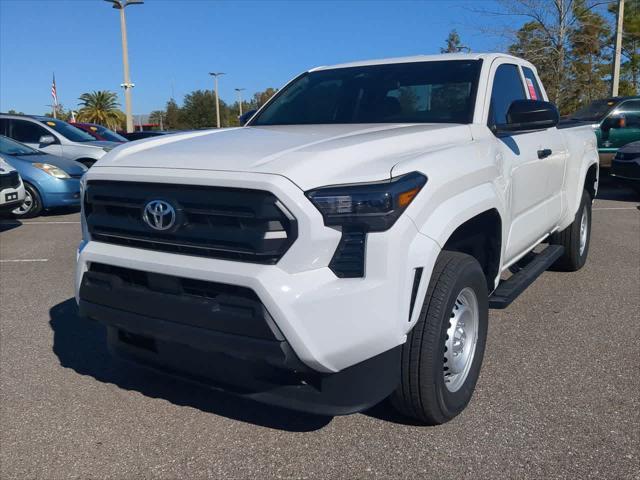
615	208
18	260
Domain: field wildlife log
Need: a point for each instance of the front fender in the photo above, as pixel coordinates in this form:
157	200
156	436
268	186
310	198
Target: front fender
445	218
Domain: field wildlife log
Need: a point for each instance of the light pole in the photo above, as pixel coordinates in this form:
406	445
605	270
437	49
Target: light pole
127	85
239	90
215	75
615	75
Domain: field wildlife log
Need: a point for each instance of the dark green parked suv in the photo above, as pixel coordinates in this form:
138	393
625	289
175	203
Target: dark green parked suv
616	122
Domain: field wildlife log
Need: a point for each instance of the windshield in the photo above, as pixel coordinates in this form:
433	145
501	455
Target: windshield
11	147
104	132
107	134
417	92
595	111
68	131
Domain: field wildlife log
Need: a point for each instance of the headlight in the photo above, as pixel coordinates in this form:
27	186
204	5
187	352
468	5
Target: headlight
52	170
373	206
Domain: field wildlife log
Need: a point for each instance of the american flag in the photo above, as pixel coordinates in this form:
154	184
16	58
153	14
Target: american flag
54	92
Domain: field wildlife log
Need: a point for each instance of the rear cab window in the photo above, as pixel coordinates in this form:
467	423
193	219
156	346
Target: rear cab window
533	87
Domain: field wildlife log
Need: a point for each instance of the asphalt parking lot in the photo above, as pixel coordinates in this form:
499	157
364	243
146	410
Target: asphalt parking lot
558	397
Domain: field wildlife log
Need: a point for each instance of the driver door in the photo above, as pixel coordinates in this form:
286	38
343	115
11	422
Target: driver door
527	166
29	133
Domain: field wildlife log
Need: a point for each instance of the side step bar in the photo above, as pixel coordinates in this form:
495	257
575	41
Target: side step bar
508	290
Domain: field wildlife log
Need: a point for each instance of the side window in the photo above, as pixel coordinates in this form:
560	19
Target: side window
507	87
4	127
630	112
27	132
532	84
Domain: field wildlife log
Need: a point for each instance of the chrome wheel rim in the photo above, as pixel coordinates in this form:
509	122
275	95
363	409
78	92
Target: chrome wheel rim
584	230
461	339
26	206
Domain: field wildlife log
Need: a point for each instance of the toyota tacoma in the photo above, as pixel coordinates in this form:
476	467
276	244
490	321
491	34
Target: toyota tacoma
345	245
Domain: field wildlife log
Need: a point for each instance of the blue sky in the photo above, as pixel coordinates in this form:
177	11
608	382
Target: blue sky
174	43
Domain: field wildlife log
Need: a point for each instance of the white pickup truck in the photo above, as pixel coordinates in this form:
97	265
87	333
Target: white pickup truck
346	244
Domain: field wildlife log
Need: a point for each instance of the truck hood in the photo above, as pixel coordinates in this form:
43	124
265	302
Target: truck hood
309	155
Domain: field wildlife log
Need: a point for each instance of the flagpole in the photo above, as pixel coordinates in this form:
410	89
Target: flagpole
54	94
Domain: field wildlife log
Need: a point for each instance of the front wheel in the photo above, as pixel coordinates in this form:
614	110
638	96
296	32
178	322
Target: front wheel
575	238
32	206
442	356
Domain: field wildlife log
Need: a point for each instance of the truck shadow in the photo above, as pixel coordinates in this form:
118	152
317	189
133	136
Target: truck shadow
8	223
81	345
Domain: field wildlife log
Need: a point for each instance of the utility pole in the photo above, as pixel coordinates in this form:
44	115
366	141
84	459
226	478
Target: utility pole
215	75
127	85
615	76
239	90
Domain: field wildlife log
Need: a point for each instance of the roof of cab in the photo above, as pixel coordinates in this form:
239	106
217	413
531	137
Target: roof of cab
421	58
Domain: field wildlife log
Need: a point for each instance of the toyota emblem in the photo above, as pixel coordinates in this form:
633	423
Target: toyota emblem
159	215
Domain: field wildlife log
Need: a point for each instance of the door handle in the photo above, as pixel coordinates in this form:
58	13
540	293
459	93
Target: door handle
544	153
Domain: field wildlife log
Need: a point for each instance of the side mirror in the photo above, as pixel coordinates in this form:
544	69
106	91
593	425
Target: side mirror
244	118
526	115
47	140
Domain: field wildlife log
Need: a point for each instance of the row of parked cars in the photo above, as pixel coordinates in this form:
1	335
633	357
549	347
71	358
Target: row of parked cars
50	156
44	159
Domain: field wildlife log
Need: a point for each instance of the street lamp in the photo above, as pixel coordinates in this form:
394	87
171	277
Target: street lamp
239	90
215	75
127	85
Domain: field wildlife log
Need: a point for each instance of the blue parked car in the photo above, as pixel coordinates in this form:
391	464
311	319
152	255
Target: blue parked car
49	181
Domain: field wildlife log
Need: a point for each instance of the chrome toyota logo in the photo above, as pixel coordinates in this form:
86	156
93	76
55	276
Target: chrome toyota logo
159	215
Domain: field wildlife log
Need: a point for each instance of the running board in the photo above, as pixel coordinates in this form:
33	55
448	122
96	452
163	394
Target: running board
508	290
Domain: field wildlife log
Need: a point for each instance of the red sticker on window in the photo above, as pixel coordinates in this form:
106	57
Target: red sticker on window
532	89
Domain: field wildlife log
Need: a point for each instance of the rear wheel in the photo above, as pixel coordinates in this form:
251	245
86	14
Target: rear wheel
575	238
442	356
32	206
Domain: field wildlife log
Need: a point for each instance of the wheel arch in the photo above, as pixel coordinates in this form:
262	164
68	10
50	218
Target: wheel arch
591	180
480	237
475	212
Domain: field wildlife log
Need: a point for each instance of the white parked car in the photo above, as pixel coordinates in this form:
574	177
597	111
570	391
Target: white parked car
345	245
54	137
11	188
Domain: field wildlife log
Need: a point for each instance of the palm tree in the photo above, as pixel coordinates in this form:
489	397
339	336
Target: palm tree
100	107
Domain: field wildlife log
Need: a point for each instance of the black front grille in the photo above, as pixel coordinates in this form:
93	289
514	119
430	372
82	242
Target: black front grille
216	222
198	303
348	260
9	180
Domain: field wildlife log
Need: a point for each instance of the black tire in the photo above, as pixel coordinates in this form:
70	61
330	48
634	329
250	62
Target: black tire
573	259
422	393
36	203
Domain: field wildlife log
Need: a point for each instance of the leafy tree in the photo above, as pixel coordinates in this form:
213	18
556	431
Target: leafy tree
549	25
199	110
590	62
260	98
61	113
13	112
173	118
100	107
453	43
630	68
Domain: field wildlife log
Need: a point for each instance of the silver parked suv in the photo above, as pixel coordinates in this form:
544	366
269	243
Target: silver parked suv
54	137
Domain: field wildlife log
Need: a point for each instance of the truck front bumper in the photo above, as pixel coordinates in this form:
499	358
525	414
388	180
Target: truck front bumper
334	344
